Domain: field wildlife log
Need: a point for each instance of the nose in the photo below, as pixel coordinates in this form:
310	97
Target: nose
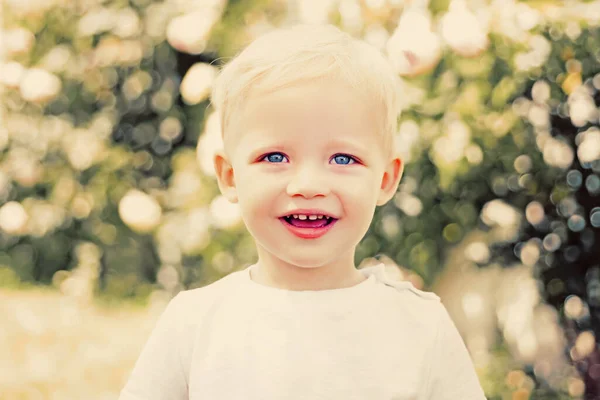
308	181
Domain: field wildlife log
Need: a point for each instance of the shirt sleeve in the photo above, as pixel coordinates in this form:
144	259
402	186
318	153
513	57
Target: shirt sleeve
158	373
452	374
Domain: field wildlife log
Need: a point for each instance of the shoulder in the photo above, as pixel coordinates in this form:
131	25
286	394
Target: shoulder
424	307
201	299
405	308
402	287
222	285
405	301
408	288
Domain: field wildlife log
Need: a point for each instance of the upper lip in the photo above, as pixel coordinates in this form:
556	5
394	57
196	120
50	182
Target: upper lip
309	211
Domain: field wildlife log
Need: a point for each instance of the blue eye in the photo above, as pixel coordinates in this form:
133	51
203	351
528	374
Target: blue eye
342	159
273	157
338	157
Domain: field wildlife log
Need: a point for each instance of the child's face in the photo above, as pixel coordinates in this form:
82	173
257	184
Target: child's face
311	147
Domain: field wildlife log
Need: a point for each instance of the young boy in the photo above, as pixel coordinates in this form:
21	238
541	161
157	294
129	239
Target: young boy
308	116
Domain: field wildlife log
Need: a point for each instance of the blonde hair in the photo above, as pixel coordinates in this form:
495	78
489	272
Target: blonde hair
288	56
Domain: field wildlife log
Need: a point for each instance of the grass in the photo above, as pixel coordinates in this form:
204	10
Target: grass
61	347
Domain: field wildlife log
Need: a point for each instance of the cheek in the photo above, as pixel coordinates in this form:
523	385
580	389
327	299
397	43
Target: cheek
359	186
360	205
255	196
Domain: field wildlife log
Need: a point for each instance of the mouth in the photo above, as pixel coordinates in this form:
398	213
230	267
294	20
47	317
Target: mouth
307	228
308	223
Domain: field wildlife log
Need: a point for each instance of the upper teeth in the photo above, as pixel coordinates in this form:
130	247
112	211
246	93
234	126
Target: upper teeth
302	216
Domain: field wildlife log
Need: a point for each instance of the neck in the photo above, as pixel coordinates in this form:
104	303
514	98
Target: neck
341	273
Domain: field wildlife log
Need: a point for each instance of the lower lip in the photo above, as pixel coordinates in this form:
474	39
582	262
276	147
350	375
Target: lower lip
308	233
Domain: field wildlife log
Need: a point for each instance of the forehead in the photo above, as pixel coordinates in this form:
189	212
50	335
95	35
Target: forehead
320	99
313	112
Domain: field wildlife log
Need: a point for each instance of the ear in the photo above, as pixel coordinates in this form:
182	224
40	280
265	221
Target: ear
391	180
225	176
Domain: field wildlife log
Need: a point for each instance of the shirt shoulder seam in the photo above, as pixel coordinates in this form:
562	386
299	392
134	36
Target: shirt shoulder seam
380	273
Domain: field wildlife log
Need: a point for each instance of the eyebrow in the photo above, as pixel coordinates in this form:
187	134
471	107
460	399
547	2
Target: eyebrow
354	146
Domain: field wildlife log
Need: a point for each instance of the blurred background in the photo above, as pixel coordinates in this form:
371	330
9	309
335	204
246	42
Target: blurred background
109	205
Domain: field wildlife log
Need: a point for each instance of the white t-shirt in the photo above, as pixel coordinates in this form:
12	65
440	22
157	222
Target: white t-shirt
237	339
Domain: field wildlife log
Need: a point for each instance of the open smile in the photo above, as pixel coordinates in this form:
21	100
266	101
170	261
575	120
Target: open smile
308	229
